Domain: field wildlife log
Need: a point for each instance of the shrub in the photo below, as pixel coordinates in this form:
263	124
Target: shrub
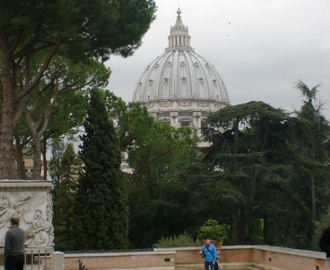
320	226
214	231
182	240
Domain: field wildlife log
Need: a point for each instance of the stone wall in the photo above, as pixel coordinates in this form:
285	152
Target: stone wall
122	260
231	257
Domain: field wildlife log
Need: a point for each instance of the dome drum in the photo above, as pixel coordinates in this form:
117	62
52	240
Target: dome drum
182	105
193	119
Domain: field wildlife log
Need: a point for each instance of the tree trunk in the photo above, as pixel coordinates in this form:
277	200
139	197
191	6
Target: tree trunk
11	97
7	153
247	208
245	219
44	158
233	222
36	157
20	159
37	130
313	198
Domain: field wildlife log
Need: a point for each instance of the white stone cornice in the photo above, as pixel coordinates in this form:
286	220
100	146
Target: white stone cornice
25	184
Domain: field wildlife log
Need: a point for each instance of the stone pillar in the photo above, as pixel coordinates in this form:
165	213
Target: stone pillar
31	201
57	260
197	123
174	119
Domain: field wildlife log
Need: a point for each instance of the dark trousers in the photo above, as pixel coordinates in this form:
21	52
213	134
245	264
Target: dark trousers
207	264
15	262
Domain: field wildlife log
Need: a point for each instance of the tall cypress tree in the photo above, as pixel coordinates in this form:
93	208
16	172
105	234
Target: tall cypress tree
64	199
101	206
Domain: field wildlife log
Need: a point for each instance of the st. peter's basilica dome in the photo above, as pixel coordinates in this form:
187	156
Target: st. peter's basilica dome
180	86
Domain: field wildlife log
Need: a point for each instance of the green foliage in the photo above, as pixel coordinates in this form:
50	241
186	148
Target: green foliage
60	96
212	230
71	106
256	175
101	207
95	28
152	148
58	46
251	156
182	240
140	135
253	177
146	140
312	169
144	200
320	226
54	166
64	197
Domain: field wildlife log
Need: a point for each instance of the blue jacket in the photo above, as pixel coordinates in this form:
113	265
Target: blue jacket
210	253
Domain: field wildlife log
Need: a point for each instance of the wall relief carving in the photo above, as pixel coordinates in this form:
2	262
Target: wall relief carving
34	208
185	119
185	103
165	104
203	103
174	115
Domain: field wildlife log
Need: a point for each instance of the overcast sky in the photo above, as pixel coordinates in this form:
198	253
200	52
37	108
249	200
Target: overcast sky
259	47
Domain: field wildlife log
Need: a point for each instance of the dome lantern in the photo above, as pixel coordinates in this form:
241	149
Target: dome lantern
179	35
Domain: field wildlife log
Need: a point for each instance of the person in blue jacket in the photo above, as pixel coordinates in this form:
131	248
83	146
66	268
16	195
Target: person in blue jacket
209	253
